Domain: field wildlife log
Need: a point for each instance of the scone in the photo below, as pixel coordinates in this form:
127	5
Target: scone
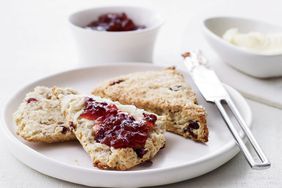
115	136
165	93
39	117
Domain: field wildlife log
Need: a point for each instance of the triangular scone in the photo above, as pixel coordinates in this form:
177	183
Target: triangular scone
115	136
39	117
163	92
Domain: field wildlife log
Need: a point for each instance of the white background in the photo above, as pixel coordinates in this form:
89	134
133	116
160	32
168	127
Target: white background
35	41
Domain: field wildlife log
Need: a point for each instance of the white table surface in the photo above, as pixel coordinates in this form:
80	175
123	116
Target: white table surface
35	41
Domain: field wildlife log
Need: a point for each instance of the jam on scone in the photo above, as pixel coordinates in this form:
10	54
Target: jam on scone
115	136
116	128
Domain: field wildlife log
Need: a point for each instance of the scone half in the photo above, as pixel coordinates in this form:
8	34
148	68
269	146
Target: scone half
115	136
39	117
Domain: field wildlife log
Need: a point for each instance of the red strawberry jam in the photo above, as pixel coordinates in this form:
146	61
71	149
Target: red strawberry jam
114	22
116	128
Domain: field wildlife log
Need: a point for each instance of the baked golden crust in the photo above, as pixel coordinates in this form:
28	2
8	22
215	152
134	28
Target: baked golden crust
162	92
104	156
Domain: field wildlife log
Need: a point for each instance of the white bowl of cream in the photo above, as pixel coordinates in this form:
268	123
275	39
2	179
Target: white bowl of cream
254	41
251	46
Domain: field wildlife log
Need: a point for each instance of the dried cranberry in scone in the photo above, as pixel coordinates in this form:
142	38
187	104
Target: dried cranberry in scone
115	136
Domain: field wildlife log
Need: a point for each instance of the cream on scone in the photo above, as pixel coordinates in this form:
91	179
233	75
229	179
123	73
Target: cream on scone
115	136
164	92
39	117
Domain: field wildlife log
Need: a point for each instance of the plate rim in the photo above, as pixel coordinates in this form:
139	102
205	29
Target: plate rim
228	148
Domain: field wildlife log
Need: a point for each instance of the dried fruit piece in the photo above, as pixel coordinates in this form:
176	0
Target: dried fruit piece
31	100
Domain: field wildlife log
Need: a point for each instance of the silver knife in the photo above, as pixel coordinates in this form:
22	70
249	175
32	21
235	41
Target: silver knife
213	91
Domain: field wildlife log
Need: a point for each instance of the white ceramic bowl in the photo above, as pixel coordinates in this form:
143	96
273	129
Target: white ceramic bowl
97	47
254	64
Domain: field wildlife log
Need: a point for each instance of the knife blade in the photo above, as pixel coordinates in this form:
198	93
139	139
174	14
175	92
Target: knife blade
212	90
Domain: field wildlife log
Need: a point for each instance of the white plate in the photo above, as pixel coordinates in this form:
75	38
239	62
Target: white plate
181	159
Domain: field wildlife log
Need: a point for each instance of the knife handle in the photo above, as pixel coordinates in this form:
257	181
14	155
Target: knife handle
264	163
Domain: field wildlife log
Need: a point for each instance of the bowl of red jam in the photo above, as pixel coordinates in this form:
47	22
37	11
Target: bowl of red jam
115	34
114	22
